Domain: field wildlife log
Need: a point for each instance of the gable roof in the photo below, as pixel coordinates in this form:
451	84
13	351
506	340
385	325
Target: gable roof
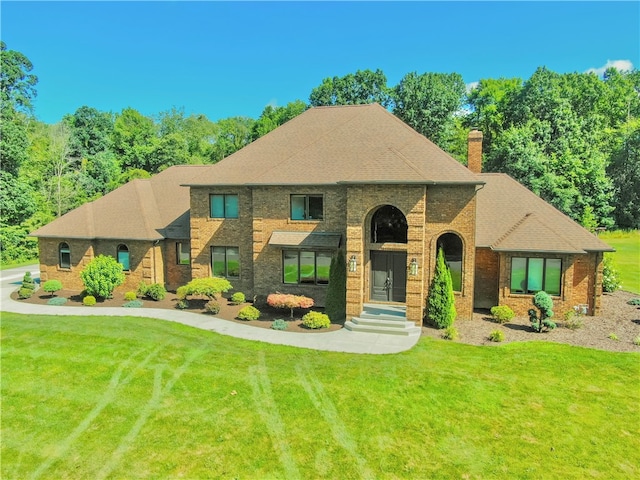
143	209
339	144
510	217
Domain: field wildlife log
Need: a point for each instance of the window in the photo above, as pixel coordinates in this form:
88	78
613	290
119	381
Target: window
388	224
225	262
223	205
530	275
307	207
451	245
305	267
65	255
123	257
183	254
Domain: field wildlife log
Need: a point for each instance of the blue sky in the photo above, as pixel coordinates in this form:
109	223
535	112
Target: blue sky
225	59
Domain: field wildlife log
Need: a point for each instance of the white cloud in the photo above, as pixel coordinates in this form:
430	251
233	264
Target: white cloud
620	65
470	86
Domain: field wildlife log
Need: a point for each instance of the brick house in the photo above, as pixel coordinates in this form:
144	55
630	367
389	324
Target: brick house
271	216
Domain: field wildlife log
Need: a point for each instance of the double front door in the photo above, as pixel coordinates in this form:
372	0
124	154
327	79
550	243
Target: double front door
388	276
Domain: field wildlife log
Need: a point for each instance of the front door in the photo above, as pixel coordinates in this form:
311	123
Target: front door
388	276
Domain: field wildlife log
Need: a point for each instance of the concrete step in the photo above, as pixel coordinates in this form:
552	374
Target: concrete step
408	328
382	309
380	322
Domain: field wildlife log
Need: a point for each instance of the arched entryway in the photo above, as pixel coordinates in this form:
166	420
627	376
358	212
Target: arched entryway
388	229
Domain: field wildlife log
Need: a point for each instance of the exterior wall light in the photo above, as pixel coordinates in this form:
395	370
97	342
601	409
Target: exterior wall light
413	267
352	263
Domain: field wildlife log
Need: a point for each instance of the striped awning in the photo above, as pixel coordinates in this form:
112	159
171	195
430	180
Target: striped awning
328	240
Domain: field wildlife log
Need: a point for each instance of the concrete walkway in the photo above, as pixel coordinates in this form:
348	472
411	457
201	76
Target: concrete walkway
337	341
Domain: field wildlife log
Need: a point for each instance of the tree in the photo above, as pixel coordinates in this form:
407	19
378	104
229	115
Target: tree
13	140
541	320
52	286
441	308
133	140
16	201
61	162
273	117
90	132
102	275
17	84
365	86
233	134
624	172
336	300
289	301
428	102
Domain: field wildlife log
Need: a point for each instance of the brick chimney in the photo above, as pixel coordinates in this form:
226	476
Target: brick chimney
474	153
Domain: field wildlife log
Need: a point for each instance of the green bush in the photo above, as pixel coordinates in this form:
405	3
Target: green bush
610	277
496	336
613	336
89	300
572	320
450	333
541	320
57	301
133	304
249	313
182	292
102	275
316	320
212	307
238	298
634	301
24	293
279	324
441	308
52	286
336	299
28	282
636	341
154	291
131	295
209	287
182	304
502	313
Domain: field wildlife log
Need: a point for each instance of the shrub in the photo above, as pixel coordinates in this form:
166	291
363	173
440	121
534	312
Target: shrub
279	324
450	333
28	282
283	300
496	336
636	341
181	292
610	278
212	307
573	320
336	299
249	313
102	275
133	304
613	336
441	308
502	313
210	287
131	295
238	298
540	320
89	301
24	293
316	320
634	301
182	304
155	291
57	301
52	286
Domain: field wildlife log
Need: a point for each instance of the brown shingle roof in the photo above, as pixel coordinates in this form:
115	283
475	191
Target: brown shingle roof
509	217
344	144
143	209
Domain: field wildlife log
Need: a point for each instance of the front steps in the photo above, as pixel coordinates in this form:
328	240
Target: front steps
384	319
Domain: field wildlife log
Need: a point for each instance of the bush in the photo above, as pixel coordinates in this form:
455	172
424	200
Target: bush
212	307
181	292
613	336
496	336
336	299
283	300
89	301
57	301
128	296
28	282
279	324
573	320
210	287
249	313
610	278
636	341
238	298
316	320
450	333
24	293
155	291
182	304
52	286
441	308
102	275
634	301
541	320
502	313
133	304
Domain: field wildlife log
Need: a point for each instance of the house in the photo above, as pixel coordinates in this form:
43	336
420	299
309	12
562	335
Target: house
271	216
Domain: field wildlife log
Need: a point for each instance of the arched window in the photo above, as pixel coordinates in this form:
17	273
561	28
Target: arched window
451	245
123	257
64	254
388	224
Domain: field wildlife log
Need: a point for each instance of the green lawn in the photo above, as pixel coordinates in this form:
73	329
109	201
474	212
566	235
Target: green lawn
627	257
124	397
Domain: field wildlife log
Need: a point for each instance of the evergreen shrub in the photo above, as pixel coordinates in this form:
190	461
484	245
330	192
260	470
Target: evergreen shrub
131	295
541	319
441	308
102	275
212	307
24	293
238	298
89	301
496	336
279	324
133	304
57	301
249	313
336	299
52	286
316	320
502	313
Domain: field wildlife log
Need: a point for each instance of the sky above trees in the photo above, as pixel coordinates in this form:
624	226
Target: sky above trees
224	59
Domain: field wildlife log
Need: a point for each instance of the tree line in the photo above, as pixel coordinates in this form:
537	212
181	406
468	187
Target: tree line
574	139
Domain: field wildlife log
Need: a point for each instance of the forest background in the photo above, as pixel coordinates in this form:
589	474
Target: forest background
573	139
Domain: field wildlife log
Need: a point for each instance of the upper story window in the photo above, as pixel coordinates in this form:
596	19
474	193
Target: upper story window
531	275
183	253
123	257
307	207
223	205
65	255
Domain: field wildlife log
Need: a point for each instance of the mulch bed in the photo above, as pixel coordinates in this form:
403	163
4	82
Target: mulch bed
616	317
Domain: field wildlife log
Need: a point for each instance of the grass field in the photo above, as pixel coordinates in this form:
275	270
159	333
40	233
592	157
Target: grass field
627	257
124	397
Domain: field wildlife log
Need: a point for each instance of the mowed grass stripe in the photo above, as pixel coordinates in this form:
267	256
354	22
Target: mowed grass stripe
626	258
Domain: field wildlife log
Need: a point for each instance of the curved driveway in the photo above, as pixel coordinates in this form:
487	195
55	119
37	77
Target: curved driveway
341	340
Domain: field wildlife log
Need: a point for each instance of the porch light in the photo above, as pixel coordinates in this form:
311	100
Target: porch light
413	267
352	263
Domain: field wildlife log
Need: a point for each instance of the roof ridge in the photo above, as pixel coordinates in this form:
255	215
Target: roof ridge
139	182
512	229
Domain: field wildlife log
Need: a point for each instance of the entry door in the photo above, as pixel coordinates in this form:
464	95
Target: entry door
388	276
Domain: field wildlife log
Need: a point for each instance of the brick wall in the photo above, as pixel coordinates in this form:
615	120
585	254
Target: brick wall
175	274
487	278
